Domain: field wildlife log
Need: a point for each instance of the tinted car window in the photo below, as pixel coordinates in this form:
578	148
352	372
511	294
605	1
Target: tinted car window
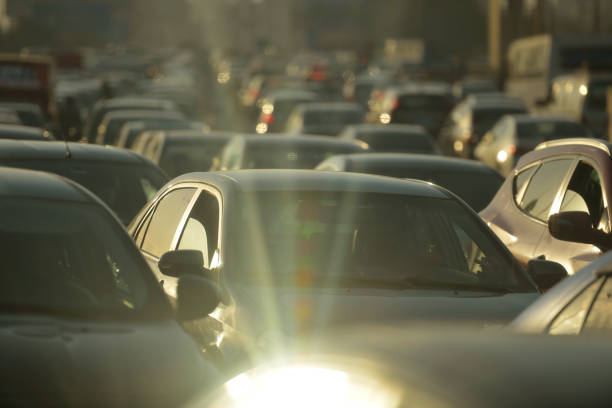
484	119
165	220
584	193
71	259
398	142
543	188
570	319
125	188
600	314
269	156
184	157
520	182
201	229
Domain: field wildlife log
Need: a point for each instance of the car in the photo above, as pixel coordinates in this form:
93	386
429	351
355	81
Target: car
392	138
301	251
471	119
276	107
83	319
324	118
102	107
29	114
110	127
473	182
124	180
514	135
381	366
582	97
566	181
578	305
279	151
178	152
359	89
470	86
19	132
422	103
130	130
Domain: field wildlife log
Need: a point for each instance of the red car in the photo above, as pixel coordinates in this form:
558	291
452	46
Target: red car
554	204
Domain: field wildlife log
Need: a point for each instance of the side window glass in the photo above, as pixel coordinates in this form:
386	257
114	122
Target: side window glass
520	182
600	315
543	188
143	229
584	193
201	229
165	220
570	319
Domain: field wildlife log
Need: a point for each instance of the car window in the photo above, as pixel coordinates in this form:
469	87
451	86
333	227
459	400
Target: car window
543	188
570	320
600	314
165	220
584	193
520	182
201	229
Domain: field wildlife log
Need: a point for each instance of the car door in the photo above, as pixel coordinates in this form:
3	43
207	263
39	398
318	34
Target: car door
158	231
522	220
582	192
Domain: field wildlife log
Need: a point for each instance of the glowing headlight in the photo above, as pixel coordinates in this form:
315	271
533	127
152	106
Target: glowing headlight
261	128
267	108
305	386
502	156
385	118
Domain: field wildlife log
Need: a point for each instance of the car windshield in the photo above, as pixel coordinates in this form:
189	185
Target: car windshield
368	239
70	259
282	156
125	188
180	158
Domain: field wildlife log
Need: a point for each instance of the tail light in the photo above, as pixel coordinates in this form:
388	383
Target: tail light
394	104
511	149
267	118
254	93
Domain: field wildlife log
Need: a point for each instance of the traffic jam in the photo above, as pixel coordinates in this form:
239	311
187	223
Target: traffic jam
272	203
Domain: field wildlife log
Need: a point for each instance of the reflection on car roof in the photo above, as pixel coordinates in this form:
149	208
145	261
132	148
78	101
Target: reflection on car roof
312	180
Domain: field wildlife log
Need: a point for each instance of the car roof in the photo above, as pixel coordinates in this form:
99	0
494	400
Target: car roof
289	94
570	146
21	130
22	183
134	101
424	161
327	106
390	128
41	150
301	140
529	118
21	106
194	136
122	114
312	180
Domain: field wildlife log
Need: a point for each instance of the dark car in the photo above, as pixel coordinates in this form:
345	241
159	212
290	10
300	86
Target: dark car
102	107
83	321
124	180
24	133
299	251
324	118
473	182
554	204
130	130
471	119
29	114
425	104
392	138
382	366
514	135
182	151
359	89
278	105
578	305
279	151
110	127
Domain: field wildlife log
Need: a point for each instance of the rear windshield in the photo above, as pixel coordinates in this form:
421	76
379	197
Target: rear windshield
398	142
549	130
181	158
125	188
429	102
484	119
292	157
333	117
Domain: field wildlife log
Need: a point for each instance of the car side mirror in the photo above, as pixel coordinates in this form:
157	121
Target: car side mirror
196	297
181	262
545	273
576	226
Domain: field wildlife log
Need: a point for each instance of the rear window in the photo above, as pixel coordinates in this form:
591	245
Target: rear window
181	158
549	130
398	142
292	157
333	117
428	102
484	119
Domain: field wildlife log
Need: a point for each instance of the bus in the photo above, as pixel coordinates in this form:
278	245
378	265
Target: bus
28	78
533	63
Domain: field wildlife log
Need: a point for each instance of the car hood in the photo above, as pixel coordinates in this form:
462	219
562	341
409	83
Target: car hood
58	362
291	310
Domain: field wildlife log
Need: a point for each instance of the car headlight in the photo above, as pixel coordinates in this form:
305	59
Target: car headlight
306	386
